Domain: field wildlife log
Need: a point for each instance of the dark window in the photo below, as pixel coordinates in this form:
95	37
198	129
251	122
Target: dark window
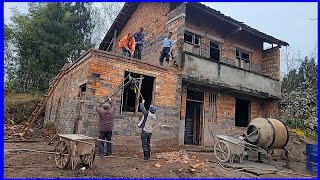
95	75
83	89
192	38
196	39
192	42
242	113
195	95
131	100
243	58
188	37
214	50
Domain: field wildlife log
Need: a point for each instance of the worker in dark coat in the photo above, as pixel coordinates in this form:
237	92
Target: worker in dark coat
106	112
139	38
147	123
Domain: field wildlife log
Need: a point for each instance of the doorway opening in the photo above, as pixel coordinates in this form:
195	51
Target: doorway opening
242	113
194	123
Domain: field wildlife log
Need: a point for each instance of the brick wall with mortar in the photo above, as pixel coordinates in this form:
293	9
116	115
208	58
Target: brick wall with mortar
271	62
225	112
266	62
272	108
225	106
102	72
111	74
111	71
157	20
225	123
63	106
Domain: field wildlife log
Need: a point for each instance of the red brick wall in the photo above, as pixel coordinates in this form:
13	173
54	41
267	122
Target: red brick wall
183	104
111	70
199	23
151	16
272	108
271	62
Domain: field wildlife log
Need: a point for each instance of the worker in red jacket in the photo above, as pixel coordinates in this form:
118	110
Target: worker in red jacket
127	45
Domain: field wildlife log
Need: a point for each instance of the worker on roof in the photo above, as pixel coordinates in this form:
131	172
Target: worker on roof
147	123
106	112
166	48
139	38
127	45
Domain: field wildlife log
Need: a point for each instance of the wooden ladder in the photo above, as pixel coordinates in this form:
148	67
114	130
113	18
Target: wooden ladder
34	116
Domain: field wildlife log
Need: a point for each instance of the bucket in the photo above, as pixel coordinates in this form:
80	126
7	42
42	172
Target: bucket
312	157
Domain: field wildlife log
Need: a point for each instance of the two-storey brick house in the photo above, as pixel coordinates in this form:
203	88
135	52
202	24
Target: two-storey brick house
224	76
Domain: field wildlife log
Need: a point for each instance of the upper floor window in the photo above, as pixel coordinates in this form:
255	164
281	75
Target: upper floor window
243	58
192	42
215	50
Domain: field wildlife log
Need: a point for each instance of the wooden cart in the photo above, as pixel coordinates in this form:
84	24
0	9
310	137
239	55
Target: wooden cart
72	147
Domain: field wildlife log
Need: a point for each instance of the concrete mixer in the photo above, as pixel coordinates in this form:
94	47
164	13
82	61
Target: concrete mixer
263	135
269	134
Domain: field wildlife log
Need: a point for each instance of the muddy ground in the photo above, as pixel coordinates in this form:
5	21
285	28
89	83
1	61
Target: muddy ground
184	162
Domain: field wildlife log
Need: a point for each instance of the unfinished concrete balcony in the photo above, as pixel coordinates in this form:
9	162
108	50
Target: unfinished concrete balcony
228	78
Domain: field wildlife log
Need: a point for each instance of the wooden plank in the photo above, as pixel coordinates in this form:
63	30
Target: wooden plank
32	119
75	137
138	95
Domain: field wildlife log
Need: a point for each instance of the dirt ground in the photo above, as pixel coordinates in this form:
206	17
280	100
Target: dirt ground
183	163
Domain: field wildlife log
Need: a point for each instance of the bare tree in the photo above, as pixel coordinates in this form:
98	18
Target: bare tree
103	15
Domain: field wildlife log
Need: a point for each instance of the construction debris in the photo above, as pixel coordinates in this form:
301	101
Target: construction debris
176	156
157	165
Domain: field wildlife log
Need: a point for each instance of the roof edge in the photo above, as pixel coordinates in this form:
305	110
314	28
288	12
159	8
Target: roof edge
230	20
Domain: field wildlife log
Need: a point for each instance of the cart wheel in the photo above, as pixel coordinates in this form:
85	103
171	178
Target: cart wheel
87	159
63	155
222	151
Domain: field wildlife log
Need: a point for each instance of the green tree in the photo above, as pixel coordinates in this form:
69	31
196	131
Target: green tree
9	60
46	38
299	97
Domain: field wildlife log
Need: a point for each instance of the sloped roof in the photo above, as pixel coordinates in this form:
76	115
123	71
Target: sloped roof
240	24
118	24
129	8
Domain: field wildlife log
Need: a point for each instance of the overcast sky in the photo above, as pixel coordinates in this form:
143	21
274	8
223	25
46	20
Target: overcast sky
291	22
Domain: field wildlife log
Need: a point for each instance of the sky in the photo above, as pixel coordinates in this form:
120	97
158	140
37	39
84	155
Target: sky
294	22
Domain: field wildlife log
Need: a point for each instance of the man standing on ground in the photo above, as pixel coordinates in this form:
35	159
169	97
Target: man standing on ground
106	112
166	48
127	45
139	38
147	123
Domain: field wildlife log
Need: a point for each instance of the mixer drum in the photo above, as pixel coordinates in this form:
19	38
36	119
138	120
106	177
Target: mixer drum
267	133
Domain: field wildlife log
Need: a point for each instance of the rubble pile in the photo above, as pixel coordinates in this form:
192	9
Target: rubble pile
11	130
175	156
